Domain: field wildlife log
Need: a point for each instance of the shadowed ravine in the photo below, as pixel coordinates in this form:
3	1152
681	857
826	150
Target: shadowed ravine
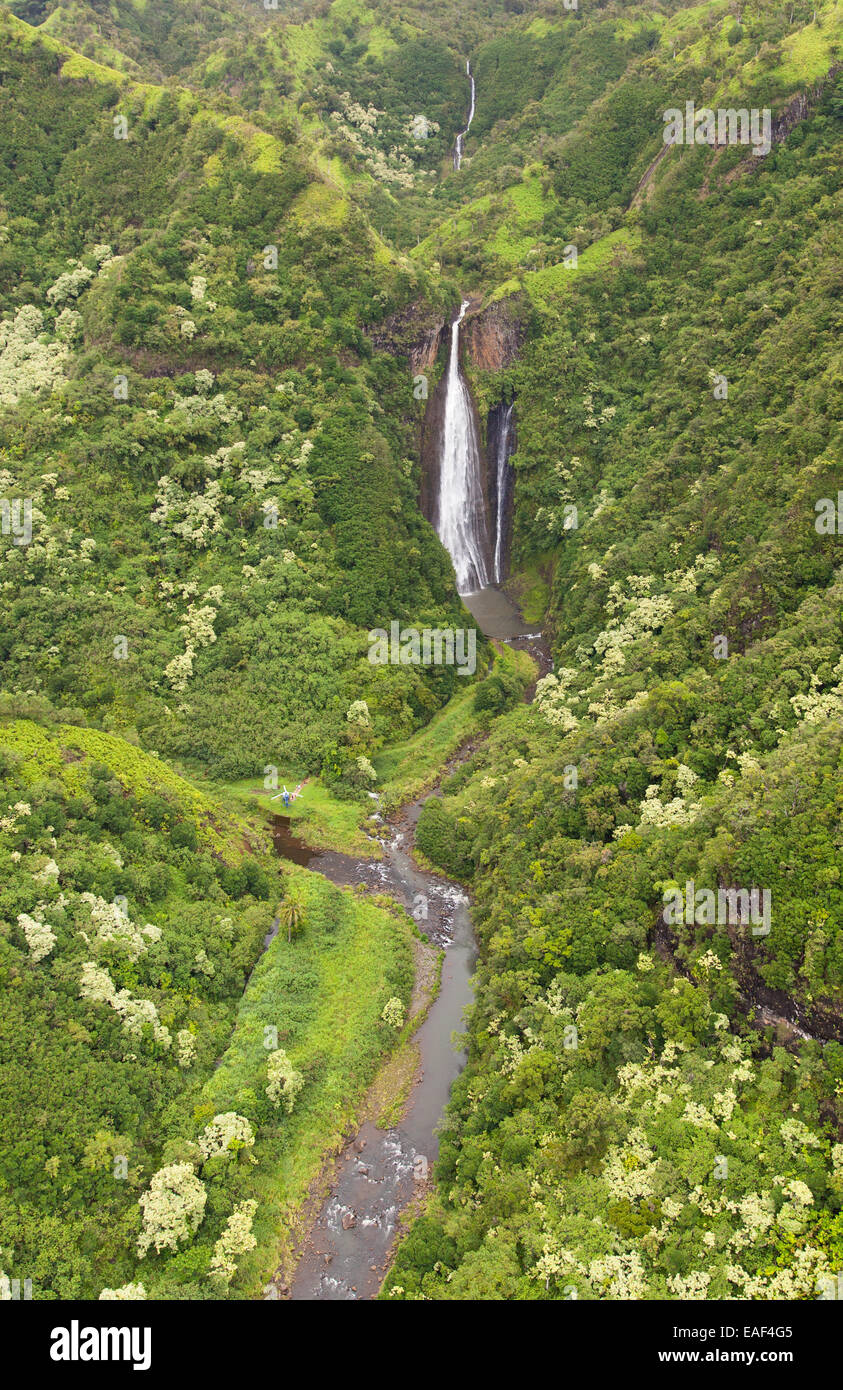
346	1252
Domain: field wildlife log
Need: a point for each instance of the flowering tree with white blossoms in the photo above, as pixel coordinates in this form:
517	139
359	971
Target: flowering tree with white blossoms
235	1240
40	938
393	1012
227	1132
284	1081
173	1208
97	985
127	1293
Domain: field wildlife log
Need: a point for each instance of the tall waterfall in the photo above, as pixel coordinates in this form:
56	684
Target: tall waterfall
461	513
502	479
458	148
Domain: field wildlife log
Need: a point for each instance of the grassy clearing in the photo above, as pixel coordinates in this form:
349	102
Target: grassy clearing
529	199
404	770
696	14
319	817
543	286
386	1101
540	27
303	47
504	290
407	769
516	236
324	994
808	54
452	231
320	205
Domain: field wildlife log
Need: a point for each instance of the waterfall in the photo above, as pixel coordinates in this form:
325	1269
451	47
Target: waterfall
502	479
461	513
458	148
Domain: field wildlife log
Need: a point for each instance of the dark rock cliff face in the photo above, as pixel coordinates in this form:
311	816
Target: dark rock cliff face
801	106
431	449
798	109
493	337
493	340
490	341
416	332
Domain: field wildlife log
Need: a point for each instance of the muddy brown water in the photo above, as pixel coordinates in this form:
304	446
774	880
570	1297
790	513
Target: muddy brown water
346	1253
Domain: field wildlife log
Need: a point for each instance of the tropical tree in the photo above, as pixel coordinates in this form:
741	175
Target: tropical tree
291	917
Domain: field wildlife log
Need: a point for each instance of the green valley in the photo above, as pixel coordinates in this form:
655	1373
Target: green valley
321	319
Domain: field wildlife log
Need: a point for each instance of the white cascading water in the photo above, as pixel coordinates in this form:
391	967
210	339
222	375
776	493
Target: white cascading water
504	439
461	524
458	148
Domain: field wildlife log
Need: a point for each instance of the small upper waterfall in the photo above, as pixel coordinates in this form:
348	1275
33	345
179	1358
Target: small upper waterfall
461	512
504	450
458	148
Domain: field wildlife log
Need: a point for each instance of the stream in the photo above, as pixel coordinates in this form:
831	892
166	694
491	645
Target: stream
346	1252
379	1171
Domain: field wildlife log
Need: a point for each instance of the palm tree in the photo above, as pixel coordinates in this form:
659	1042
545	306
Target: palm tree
291	916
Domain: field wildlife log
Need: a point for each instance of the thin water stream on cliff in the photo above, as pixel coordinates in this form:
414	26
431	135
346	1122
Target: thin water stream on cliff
460	144
502	453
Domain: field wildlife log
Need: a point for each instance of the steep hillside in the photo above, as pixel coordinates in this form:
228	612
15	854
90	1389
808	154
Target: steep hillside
188	390
570	110
134	911
231	241
652	1105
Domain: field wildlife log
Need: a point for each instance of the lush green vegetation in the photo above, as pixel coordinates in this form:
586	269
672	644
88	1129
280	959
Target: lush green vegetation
205	440
189	426
405	770
212	220
134	911
642	1115
132	916
320	817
